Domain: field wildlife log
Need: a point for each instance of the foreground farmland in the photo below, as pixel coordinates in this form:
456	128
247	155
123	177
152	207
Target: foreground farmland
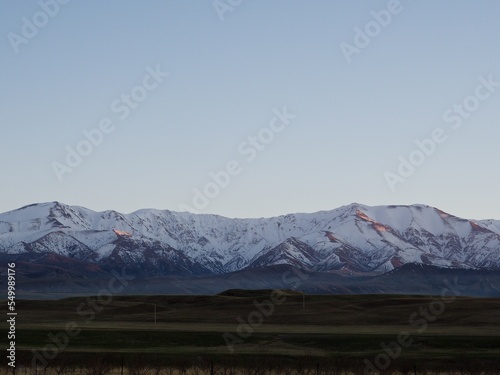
261	330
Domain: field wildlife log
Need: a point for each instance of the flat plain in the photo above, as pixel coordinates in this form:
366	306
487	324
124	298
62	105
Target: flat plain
255	327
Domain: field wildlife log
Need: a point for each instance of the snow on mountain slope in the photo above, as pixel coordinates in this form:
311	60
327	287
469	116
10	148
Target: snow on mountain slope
353	239
493	225
292	251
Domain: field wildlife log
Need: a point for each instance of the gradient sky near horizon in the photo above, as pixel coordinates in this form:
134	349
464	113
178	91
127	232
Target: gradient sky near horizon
353	120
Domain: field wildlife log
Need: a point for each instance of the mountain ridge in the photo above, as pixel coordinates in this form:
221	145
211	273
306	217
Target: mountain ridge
350	240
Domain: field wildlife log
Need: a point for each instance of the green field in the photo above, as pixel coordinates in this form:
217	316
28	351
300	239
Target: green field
309	331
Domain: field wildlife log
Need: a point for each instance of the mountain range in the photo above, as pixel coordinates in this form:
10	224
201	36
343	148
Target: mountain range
54	240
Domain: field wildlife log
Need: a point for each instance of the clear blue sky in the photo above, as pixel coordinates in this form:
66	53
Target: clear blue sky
353	120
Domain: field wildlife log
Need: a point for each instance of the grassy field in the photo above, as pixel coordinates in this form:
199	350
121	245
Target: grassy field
263	330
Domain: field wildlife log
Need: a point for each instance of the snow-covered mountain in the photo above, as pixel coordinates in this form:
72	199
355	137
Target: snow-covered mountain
350	240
